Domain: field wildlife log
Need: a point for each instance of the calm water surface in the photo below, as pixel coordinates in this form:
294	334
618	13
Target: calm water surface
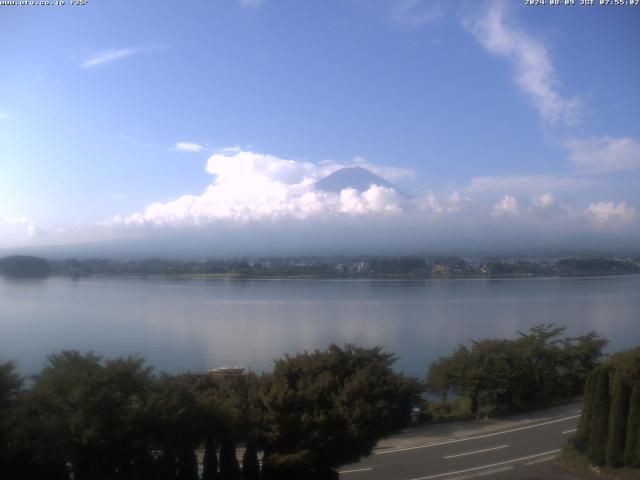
196	325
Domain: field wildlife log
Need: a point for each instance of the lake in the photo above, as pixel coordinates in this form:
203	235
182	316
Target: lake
195	325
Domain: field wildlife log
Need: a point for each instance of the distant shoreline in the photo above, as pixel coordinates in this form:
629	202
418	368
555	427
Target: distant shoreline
236	276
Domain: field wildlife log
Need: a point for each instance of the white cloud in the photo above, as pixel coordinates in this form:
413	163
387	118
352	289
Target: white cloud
544	201
508	206
108	56
604	154
456	202
31	228
251	186
534	184
4	116
609	212
534	70
189	147
375	200
429	203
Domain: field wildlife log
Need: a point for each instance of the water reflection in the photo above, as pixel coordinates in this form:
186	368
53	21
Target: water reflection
195	325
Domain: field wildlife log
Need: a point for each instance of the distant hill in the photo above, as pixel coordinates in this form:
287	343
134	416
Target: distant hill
358	178
24	266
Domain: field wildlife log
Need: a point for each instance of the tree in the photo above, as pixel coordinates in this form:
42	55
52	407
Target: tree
599	428
87	412
618	417
250	464
632	444
328	408
210	461
229	467
10	385
587	408
537	367
187	464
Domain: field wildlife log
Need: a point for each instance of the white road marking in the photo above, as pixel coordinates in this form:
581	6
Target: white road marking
476	451
492	472
486	466
483	474
356	470
540	460
447	442
570	431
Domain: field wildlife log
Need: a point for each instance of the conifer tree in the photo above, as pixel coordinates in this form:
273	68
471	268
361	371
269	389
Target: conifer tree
632	446
599	427
587	408
187	464
250	464
618	416
210	461
229	467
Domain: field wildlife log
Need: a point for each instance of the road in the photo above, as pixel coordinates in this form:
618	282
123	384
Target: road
521	446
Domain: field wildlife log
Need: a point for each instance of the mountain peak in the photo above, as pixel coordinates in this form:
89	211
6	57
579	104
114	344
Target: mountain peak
358	178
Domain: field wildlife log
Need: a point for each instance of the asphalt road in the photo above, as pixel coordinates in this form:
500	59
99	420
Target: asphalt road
519	450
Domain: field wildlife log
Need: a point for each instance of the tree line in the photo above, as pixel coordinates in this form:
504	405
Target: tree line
89	418
410	267
541	366
609	429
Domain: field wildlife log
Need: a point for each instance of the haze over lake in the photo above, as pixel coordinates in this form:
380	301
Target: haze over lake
195	325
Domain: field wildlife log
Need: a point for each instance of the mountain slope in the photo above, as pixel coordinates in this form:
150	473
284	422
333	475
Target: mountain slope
352	177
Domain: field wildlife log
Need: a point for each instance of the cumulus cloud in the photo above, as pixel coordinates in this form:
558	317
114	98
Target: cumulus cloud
259	192
604	154
533	184
31	228
508	206
534	71
609	212
189	147
544	201
251	186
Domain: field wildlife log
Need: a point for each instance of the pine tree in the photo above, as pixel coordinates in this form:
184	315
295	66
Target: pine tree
599	425
632	446
187	465
618	415
587	408
210	461
250	464
229	468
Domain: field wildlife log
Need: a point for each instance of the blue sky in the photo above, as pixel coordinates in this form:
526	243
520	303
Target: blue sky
121	118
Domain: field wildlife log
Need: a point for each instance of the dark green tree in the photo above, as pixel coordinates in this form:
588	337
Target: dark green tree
210	460
618	417
250	464
599	428
187	464
328	408
87	412
587	408
10	385
229	467
632	444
